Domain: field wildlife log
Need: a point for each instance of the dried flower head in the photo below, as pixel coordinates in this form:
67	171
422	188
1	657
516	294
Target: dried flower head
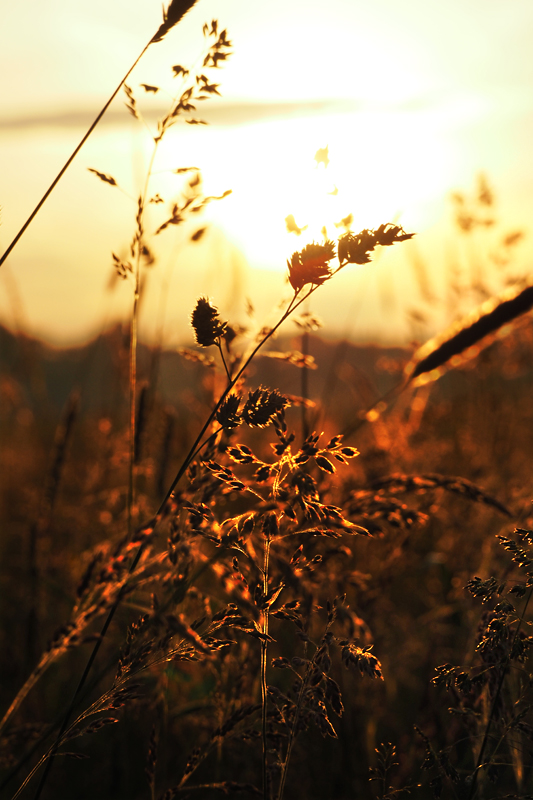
310	265
228	413
355	248
262	405
467	336
171	16
207	326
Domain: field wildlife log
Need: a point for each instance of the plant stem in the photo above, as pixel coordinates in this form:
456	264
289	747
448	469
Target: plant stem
133	340
219	345
505	666
264	687
294	728
72	703
133	399
305	386
60	174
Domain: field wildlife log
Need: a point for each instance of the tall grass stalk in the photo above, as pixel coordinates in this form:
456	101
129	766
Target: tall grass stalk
460	343
171	16
133	338
264	650
138	248
504	667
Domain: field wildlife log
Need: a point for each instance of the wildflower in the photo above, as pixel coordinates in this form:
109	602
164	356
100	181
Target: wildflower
310	265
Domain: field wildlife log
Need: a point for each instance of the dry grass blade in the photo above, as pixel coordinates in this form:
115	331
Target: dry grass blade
454	345
422	483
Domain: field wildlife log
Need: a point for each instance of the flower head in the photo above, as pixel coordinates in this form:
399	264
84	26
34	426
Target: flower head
356	248
207	326
310	265
262	406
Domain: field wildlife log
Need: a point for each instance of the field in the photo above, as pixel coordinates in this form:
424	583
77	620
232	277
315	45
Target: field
273	564
413	487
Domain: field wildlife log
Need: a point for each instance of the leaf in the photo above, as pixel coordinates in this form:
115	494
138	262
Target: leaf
103	177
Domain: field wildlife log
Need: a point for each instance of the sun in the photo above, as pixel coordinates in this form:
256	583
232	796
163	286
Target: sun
378	168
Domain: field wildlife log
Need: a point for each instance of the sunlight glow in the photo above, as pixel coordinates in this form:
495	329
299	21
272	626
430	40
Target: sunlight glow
382	166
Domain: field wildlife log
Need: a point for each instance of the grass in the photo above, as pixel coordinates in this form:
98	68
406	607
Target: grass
248	602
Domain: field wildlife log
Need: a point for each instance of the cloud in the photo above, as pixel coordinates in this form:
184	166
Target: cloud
223	113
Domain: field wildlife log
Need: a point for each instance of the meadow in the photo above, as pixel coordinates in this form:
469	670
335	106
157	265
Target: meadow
271	564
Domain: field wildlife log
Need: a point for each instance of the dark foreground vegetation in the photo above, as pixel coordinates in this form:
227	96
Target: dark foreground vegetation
400	656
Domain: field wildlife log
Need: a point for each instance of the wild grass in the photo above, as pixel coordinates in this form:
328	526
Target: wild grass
171	16
245	604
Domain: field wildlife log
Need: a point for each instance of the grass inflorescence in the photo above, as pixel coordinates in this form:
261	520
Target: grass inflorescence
254	604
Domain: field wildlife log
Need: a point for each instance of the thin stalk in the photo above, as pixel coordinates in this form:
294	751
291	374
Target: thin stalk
49	757
67	164
133	340
293	305
292	735
32	624
387	397
54	725
30	682
133	401
505	666
219	345
264	687
171	16
305	386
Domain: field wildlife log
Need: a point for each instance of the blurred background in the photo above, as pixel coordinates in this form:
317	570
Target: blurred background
362	113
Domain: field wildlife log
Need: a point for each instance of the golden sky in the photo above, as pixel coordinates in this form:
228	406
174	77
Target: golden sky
412	99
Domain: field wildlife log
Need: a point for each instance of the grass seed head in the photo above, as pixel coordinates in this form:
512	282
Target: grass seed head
171	16
310	265
207	326
458	343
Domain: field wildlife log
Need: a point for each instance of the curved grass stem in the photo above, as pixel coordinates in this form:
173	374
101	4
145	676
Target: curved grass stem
69	161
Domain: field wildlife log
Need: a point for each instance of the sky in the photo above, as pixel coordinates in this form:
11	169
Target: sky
413	101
